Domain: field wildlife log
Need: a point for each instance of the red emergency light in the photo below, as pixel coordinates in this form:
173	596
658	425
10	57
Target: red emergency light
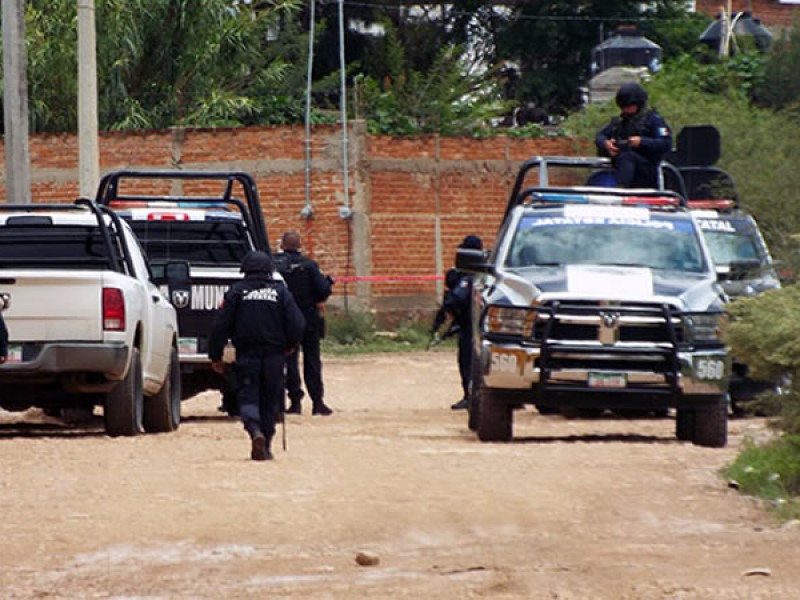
720	204
167	216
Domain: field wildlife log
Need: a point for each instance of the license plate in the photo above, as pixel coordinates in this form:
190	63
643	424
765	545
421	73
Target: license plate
187	345
607	380
14	353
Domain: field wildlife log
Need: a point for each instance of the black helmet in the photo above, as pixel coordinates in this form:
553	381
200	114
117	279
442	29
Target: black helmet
257	261
631	93
472	242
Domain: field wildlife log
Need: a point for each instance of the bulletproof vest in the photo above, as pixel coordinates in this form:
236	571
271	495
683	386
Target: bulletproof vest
625	127
297	272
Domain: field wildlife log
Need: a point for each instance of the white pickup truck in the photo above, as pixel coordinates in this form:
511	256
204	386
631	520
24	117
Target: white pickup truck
87	326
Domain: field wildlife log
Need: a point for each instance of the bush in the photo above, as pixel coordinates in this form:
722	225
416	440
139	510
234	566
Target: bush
763	332
356	333
350	329
771	472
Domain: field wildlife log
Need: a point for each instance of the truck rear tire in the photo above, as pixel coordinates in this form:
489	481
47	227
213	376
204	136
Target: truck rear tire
162	411
124	405
496	421
711	425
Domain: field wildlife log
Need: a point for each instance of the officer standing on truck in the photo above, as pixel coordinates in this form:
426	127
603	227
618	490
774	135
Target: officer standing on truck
261	318
310	289
458	303
636	140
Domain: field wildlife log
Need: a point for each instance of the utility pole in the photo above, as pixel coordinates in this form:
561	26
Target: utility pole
88	150
15	104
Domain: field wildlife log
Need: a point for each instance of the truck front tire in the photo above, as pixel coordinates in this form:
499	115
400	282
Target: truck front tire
496	421
711	424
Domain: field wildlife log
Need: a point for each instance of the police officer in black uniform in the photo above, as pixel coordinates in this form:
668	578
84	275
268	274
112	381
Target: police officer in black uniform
310	289
637	140
261	318
458	303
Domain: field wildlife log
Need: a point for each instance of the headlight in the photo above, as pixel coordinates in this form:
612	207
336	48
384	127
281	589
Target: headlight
704	327
509	320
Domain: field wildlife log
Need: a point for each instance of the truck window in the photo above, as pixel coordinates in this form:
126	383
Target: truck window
53	247
210	243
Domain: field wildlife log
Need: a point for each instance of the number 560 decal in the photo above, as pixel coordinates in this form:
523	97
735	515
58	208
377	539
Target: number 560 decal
709	368
504	362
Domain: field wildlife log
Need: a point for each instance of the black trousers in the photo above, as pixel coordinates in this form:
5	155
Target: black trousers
465	356
259	379
312	364
635	171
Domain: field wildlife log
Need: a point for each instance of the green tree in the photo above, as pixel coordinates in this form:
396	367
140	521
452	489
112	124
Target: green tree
166	62
51	44
780	86
552	42
444	98
184	62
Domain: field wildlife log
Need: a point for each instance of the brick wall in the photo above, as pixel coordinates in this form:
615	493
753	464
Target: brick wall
773	13
412	199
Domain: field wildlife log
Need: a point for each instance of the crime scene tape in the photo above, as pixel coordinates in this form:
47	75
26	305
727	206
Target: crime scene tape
386	278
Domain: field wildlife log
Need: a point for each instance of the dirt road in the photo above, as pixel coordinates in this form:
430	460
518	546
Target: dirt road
594	509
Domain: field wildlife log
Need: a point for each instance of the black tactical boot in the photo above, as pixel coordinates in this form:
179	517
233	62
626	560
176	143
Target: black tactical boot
259	448
462	404
320	408
294	408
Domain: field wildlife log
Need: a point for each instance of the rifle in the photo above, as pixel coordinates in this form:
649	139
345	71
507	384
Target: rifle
283	430
451	281
452	329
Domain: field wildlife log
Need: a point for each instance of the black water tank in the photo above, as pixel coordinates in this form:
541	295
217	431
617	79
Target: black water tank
627	47
744	26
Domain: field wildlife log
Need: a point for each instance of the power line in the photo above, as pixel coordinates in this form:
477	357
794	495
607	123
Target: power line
519	17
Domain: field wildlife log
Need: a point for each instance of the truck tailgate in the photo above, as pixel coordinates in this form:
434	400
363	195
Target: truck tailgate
53	305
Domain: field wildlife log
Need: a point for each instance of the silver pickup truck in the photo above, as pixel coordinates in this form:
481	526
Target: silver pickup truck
596	298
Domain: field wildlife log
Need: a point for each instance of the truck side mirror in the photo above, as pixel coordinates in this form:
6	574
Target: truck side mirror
472	261
176	274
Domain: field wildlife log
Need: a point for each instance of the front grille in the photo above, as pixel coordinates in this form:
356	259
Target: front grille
608	325
594	337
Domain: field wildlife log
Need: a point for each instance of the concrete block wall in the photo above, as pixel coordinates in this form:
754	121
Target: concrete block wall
412	199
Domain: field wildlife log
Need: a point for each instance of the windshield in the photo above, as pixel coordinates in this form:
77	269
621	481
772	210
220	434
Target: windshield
600	237
728	247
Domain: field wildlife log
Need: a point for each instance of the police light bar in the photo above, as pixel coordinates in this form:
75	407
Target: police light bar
123	204
165	214
654	201
719	205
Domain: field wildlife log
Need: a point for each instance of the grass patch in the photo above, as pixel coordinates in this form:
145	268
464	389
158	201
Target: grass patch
356	333
771	472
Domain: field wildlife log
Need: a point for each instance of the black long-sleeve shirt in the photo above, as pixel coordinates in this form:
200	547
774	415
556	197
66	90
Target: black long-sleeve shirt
257	314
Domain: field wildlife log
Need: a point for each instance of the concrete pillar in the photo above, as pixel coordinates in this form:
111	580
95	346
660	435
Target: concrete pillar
15	104
361	232
88	151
